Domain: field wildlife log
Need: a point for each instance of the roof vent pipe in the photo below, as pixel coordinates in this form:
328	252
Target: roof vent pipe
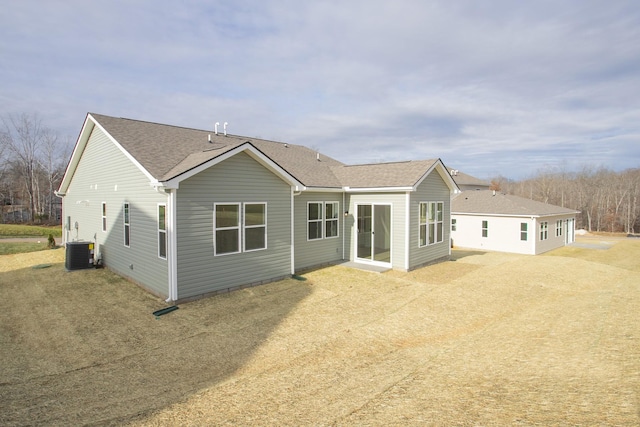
216	127
225	128
209	138
318	156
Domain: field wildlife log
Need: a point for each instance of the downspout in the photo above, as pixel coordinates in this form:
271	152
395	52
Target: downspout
172	256
344	222
65	232
407	230
293	260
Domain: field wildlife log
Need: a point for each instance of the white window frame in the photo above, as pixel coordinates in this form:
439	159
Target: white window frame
236	227
336	219
544	230
454	224
103	212
319	220
559	228
162	233
126	219
485	228
433	223
524	233
245	226
323	220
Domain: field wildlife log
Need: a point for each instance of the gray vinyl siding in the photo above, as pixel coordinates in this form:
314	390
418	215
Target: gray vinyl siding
432	189
310	253
105	174
552	242
239	179
398	215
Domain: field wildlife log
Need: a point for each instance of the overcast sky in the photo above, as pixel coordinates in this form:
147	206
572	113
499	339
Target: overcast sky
490	87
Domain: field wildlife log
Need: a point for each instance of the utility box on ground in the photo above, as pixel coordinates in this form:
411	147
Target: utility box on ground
79	255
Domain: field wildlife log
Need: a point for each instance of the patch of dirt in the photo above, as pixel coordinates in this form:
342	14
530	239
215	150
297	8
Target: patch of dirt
486	339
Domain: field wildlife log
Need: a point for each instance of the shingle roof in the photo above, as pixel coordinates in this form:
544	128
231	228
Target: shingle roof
380	175
167	151
464	179
485	202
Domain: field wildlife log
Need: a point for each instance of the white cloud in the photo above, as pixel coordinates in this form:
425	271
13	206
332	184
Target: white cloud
495	87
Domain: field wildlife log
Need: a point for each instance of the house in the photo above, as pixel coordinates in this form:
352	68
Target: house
490	220
467	182
187	213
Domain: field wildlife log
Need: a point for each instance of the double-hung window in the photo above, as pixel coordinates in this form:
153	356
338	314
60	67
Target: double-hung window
322	220
331	219
226	225
127	224
162	231
485	228
523	231
255	226
559	228
104	216
431	223
544	230
314	220
239	227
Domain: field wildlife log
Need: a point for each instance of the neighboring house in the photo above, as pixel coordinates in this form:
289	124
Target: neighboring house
489	220
187	213
467	182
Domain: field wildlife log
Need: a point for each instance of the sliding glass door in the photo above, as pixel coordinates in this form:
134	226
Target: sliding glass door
374	233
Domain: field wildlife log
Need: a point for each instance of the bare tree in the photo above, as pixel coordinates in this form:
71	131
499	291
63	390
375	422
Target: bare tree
24	137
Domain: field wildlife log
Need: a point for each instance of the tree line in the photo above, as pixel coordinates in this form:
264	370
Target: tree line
607	200
33	158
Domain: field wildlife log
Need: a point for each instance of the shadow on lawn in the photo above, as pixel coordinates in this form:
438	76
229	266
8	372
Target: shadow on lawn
83	347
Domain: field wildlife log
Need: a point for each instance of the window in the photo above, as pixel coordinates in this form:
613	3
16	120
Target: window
127	225
314	220
559	228
162	231
544	230
454	224
322	220
234	223
331	219
430	223
255	226
523	231
226	225
485	228
104	216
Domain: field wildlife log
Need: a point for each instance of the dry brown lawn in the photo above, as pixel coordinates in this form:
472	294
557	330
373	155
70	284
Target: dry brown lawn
485	339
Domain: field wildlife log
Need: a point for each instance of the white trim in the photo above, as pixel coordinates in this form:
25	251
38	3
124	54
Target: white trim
103	216
407	230
344	222
325	220
244	227
293	240
126	213
355	246
173	246
320	220
435	223
237	227
166	241
378	189
513	215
